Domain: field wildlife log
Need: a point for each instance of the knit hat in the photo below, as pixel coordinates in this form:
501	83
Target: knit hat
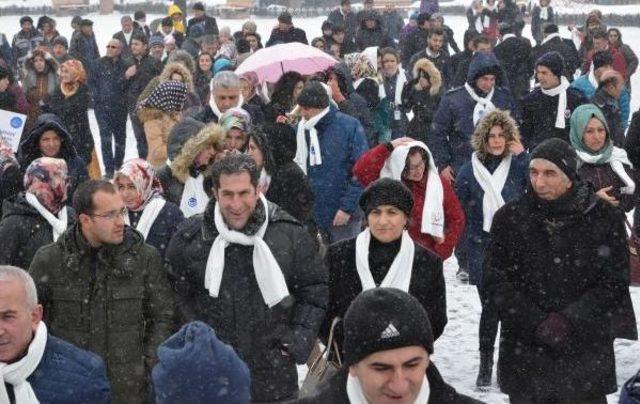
168	97
156	40
198	6
559	153
313	95
215	372
602	58
60	40
387	191
285	18
554	61
399	321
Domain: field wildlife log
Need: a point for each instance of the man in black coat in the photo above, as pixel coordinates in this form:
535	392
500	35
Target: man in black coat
285	32
557	272
142	68
607	98
208	23
387	355
542	117
436	54
553	42
83	45
514	54
459	63
372	33
125	35
417	41
344	18
271	323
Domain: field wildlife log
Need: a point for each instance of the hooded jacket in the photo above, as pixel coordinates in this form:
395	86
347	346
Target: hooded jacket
422	103
377	36
29	150
453	123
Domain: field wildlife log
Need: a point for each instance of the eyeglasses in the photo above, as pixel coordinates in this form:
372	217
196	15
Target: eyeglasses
114	214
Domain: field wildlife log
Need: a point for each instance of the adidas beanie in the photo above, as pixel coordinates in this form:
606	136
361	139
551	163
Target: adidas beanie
380	319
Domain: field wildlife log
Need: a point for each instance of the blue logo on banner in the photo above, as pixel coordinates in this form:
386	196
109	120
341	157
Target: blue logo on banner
192	202
16	122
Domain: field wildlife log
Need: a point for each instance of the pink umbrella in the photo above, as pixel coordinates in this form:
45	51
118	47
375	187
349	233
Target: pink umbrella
269	64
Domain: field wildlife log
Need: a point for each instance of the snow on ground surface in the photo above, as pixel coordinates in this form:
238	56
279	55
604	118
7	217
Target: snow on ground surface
456	352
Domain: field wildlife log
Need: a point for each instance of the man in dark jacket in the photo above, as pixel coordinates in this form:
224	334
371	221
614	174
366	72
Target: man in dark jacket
514	53
372	33
25	41
285	32
106	291
125	35
55	371
435	53
392	21
607	98
109	84
208	23
387	355
142	68
553	42
557	272
216	261
459	63
417	41
547	109
83	46
344	18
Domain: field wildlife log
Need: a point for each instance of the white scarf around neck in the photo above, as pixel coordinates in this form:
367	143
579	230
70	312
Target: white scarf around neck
492	185
507	36
483	104
194	200
399	273
550	37
311	152
214	106
401	79
617	161
544	13
356	395
58	224
592	77
478	22
433	210
17	373
561	92
264	181
149	215
266	269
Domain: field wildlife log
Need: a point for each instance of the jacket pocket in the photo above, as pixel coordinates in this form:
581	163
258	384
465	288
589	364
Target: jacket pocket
125	308
67	308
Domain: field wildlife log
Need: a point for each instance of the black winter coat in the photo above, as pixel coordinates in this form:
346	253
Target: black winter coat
108	84
514	55
610	108
377	36
539	116
566	48
239	314
415	43
348	22
293	35
459	66
427	281
567	256
147	69
74	113
602	176
10	181
163	227
290	189
172	188
23	231
424	107
209	23
334	390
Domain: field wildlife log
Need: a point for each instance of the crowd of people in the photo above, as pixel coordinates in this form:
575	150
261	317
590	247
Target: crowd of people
264	221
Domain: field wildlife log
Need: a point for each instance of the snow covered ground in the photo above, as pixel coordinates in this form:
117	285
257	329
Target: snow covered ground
456	352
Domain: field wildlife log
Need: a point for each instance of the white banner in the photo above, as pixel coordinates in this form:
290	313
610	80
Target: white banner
11	127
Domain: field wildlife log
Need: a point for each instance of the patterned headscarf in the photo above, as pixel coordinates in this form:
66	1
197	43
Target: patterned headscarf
169	96
360	66
78	74
235	118
47	179
144	178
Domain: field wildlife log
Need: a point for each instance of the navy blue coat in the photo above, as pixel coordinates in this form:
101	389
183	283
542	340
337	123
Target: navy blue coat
164	226
471	194
70	375
342	142
108	84
452	127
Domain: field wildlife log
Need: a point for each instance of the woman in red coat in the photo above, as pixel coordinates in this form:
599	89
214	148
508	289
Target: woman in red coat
437	224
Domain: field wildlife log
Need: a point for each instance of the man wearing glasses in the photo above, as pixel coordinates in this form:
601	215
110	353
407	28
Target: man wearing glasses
105	290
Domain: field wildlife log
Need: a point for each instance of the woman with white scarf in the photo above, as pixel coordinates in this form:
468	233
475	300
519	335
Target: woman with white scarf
384	255
496	174
37	216
390	93
604	165
147	210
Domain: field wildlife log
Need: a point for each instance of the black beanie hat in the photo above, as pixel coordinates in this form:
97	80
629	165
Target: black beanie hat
554	61
313	95
386	191
559	153
602	58
399	321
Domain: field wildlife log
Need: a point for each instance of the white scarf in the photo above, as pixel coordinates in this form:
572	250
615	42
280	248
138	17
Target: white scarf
127	37
149	215
432	211
617	161
265	267
507	36
399	274
561	92
592	77
264	181
310	152
492	185
401	79
544	13
550	37
194	200
356	396
483	105
214	106
58	224
478	22
17	373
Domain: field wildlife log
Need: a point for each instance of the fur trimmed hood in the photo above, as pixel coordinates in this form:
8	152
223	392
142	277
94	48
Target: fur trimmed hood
426	66
497	117
176	67
212	135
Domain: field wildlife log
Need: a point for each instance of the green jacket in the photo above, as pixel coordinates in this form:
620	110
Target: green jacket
114	301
